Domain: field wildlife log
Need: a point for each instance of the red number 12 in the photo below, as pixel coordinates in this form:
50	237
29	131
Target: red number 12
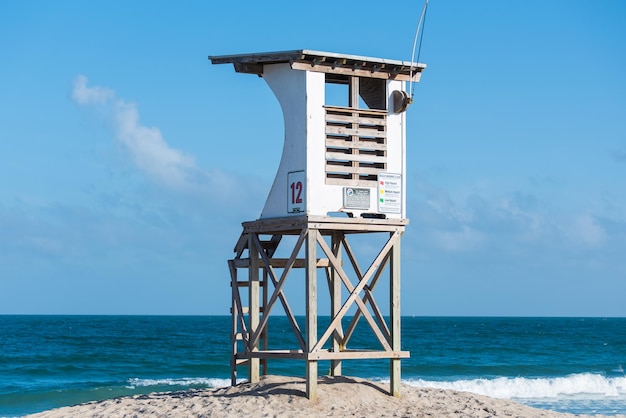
296	192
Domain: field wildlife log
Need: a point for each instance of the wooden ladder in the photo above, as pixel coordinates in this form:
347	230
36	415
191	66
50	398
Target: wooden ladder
240	335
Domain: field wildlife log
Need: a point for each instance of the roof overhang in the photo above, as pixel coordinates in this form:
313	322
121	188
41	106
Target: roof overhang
325	62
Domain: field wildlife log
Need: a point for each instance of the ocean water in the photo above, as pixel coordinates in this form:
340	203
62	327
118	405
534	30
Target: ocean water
564	364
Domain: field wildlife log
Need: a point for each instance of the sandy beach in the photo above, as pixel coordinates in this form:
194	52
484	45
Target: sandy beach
280	396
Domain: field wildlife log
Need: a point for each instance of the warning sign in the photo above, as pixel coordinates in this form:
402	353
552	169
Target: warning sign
356	198
389	193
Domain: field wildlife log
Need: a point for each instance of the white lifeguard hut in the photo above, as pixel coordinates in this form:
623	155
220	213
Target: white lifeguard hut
342	172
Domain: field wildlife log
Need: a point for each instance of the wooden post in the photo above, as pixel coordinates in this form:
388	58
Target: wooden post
394	309
234	318
311	312
354	104
335	302
253	306
264	341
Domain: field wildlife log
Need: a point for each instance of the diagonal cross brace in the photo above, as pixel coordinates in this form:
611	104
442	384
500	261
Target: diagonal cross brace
278	290
354	291
369	289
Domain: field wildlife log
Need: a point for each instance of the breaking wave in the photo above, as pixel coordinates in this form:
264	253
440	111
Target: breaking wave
574	385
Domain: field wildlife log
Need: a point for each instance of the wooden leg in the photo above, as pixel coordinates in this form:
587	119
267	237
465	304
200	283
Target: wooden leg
311	380
335	302
311	312
394	308
234	317
253	307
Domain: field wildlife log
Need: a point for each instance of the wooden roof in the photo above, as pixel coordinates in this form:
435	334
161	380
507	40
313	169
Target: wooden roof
326	62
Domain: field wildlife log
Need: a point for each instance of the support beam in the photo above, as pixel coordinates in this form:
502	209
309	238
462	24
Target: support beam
394	317
311	312
253	307
264	342
335	303
235	315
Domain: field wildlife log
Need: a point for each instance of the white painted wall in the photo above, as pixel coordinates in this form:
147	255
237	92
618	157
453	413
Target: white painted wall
301	97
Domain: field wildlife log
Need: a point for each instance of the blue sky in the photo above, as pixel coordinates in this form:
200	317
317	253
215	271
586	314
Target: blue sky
128	161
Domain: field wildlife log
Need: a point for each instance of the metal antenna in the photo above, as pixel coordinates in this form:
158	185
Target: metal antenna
417	34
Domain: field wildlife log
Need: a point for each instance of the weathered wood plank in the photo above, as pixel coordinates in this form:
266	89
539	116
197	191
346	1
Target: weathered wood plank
357	118
325	354
295	224
274	354
355	157
359	131
358	354
352	110
357	144
277	263
254	307
235	319
354	72
335	301
352	170
311	312
242	244
394	315
352	182
245	283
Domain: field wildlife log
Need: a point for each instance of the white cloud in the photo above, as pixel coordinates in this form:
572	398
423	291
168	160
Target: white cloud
145	145
149	151
461	240
502	225
90	95
585	230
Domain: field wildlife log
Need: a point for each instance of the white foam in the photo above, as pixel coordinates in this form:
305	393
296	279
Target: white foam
575	385
185	381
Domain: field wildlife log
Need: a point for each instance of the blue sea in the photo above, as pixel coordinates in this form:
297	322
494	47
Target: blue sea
571	365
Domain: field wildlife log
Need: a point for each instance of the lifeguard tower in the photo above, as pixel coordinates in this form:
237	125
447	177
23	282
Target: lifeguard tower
342	173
